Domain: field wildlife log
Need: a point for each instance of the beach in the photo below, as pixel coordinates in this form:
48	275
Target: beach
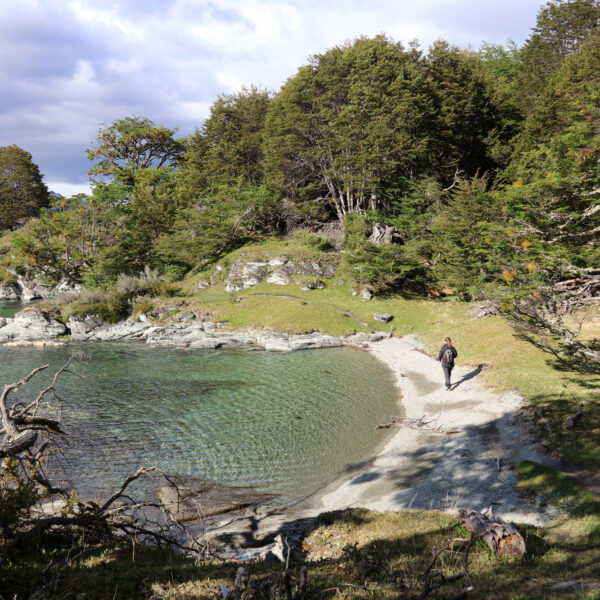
455	449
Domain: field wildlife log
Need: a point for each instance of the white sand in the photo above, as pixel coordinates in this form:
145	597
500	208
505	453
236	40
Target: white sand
427	470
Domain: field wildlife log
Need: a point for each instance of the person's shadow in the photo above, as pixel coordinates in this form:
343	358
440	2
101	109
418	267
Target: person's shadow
467	377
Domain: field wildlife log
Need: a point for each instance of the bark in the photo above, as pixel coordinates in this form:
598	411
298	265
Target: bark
502	537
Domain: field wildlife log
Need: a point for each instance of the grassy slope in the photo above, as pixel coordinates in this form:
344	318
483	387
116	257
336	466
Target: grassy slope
392	550
515	364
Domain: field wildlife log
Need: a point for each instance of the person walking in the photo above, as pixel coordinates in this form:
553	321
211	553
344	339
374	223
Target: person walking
446	356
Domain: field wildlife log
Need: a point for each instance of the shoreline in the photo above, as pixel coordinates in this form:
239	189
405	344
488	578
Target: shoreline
423	469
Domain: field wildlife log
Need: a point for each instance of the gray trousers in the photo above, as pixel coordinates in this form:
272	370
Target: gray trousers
447	372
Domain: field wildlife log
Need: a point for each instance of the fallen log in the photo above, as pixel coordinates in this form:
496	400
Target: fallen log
503	538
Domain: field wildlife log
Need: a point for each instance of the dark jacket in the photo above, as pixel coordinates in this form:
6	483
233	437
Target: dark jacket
442	357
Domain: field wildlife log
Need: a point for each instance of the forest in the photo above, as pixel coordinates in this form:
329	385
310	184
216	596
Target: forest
484	164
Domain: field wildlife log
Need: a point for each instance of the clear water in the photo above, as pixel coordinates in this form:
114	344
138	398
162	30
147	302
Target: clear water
284	423
8	308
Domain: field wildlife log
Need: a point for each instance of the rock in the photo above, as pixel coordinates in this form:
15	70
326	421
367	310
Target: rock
186	316
195	499
279	277
366	294
30	289
2	321
66	286
9	291
32	325
233	283
202	284
278	262
82	327
312	285
383	317
329	271
253	273
354	292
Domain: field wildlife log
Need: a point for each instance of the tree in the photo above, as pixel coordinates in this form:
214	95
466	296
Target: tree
562	28
502	60
214	224
471	113
131	144
348	130
22	190
554	204
469	247
228	148
64	243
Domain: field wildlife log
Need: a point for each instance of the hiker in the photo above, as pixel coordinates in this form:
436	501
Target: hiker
447	355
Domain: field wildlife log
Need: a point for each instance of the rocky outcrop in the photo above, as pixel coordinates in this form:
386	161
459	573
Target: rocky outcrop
279	270
9	291
204	334
26	290
31	325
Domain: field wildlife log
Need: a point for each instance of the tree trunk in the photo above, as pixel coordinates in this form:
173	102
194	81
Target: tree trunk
502	537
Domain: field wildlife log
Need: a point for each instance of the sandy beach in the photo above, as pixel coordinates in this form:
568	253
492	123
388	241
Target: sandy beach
424	469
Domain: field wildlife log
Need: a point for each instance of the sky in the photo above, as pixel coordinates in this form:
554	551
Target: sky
69	66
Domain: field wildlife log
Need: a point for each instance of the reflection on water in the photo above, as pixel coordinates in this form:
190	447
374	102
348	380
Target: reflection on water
286	423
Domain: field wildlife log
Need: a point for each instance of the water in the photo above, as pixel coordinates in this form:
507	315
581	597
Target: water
8	308
284	423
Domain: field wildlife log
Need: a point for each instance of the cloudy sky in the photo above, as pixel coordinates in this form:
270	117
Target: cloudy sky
66	66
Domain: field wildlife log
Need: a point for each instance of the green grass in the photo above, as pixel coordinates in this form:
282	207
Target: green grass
351	553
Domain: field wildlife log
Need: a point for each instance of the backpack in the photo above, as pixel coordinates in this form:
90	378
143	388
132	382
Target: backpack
449	356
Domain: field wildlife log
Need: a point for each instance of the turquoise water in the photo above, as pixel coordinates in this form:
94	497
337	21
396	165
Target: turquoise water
284	423
8	308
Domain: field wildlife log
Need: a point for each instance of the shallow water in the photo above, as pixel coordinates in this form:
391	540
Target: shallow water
285	423
8	308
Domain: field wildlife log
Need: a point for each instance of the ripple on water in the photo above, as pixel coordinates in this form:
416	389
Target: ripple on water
285	423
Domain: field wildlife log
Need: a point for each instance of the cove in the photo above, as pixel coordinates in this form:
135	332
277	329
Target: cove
285	423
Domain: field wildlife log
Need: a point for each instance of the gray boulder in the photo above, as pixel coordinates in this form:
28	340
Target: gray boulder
253	273
32	325
383	317
279	277
9	291
83	327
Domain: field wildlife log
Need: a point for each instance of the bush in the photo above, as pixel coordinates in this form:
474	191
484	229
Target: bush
382	267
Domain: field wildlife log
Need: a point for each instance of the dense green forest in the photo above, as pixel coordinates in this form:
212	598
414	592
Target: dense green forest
486	163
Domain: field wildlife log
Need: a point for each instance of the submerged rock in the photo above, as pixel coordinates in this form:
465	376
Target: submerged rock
190	499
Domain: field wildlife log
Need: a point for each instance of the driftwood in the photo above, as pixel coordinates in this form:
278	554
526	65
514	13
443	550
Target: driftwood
420	424
502	537
542	417
432	584
26	440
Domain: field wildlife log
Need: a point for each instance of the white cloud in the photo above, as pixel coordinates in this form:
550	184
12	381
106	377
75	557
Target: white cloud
93	61
67	189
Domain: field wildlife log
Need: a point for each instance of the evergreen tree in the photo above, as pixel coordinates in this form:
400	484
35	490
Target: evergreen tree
22	190
562	28
228	148
348	130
